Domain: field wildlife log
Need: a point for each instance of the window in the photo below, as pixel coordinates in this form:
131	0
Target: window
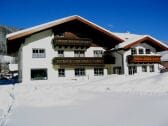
38	74
98	71
38	53
133	51
79	53
61	72
148	51
98	53
60	53
144	68
141	51
151	68
132	70
80	72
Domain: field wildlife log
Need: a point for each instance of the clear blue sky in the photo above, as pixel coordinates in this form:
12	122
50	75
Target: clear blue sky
136	16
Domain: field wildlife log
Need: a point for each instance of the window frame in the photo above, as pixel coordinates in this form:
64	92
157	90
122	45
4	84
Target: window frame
39	78
98	53
36	53
61	72
141	49
151	68
79	53
133	51
98	71
80	72
144	68
61	54
148	51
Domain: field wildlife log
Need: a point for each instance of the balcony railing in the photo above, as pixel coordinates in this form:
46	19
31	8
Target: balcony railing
85	42
143	59
79	61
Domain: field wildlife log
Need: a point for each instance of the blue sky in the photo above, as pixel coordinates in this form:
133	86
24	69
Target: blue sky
135	16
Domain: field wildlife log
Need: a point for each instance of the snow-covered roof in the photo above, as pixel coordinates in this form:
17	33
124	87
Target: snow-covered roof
127	35
51	24
133	39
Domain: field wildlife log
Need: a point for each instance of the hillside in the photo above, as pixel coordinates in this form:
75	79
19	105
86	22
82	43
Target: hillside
4	30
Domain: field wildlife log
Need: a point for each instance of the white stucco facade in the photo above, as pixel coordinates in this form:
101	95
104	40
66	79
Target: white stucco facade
143	46
43	40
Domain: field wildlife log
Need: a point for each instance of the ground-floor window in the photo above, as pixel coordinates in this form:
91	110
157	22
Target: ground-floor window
117	70
39	74
132	70
61	72
80	72
144	68
98	71
151	68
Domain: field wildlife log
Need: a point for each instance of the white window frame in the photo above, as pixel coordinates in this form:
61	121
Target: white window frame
38	53
98	71
132	70
151	68
39	78
141	49
146	50
61	72
79	53
133	51
60	53
98	53
144	68
80	72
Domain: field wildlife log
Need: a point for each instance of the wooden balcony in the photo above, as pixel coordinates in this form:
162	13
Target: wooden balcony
84	42
80	61
143	59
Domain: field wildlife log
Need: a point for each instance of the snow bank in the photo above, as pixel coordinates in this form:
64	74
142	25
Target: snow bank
118	100
105	109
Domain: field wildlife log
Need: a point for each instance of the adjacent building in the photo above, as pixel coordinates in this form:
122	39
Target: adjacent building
75	48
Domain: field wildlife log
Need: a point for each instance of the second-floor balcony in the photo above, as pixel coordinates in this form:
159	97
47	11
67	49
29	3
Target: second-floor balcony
80	61
84	42
143	59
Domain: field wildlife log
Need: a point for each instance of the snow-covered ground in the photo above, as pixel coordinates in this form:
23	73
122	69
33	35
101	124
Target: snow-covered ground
139	100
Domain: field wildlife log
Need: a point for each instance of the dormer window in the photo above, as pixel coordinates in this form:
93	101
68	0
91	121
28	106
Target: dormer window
141	51
133	51
148	51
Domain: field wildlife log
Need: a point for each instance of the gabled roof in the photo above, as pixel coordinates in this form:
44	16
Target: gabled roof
133	39
42	27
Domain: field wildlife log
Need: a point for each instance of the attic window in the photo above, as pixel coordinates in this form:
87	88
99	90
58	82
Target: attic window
148	51
133	51
141	51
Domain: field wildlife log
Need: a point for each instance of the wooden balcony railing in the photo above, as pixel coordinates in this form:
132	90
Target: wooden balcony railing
85	42
78	61
143	59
